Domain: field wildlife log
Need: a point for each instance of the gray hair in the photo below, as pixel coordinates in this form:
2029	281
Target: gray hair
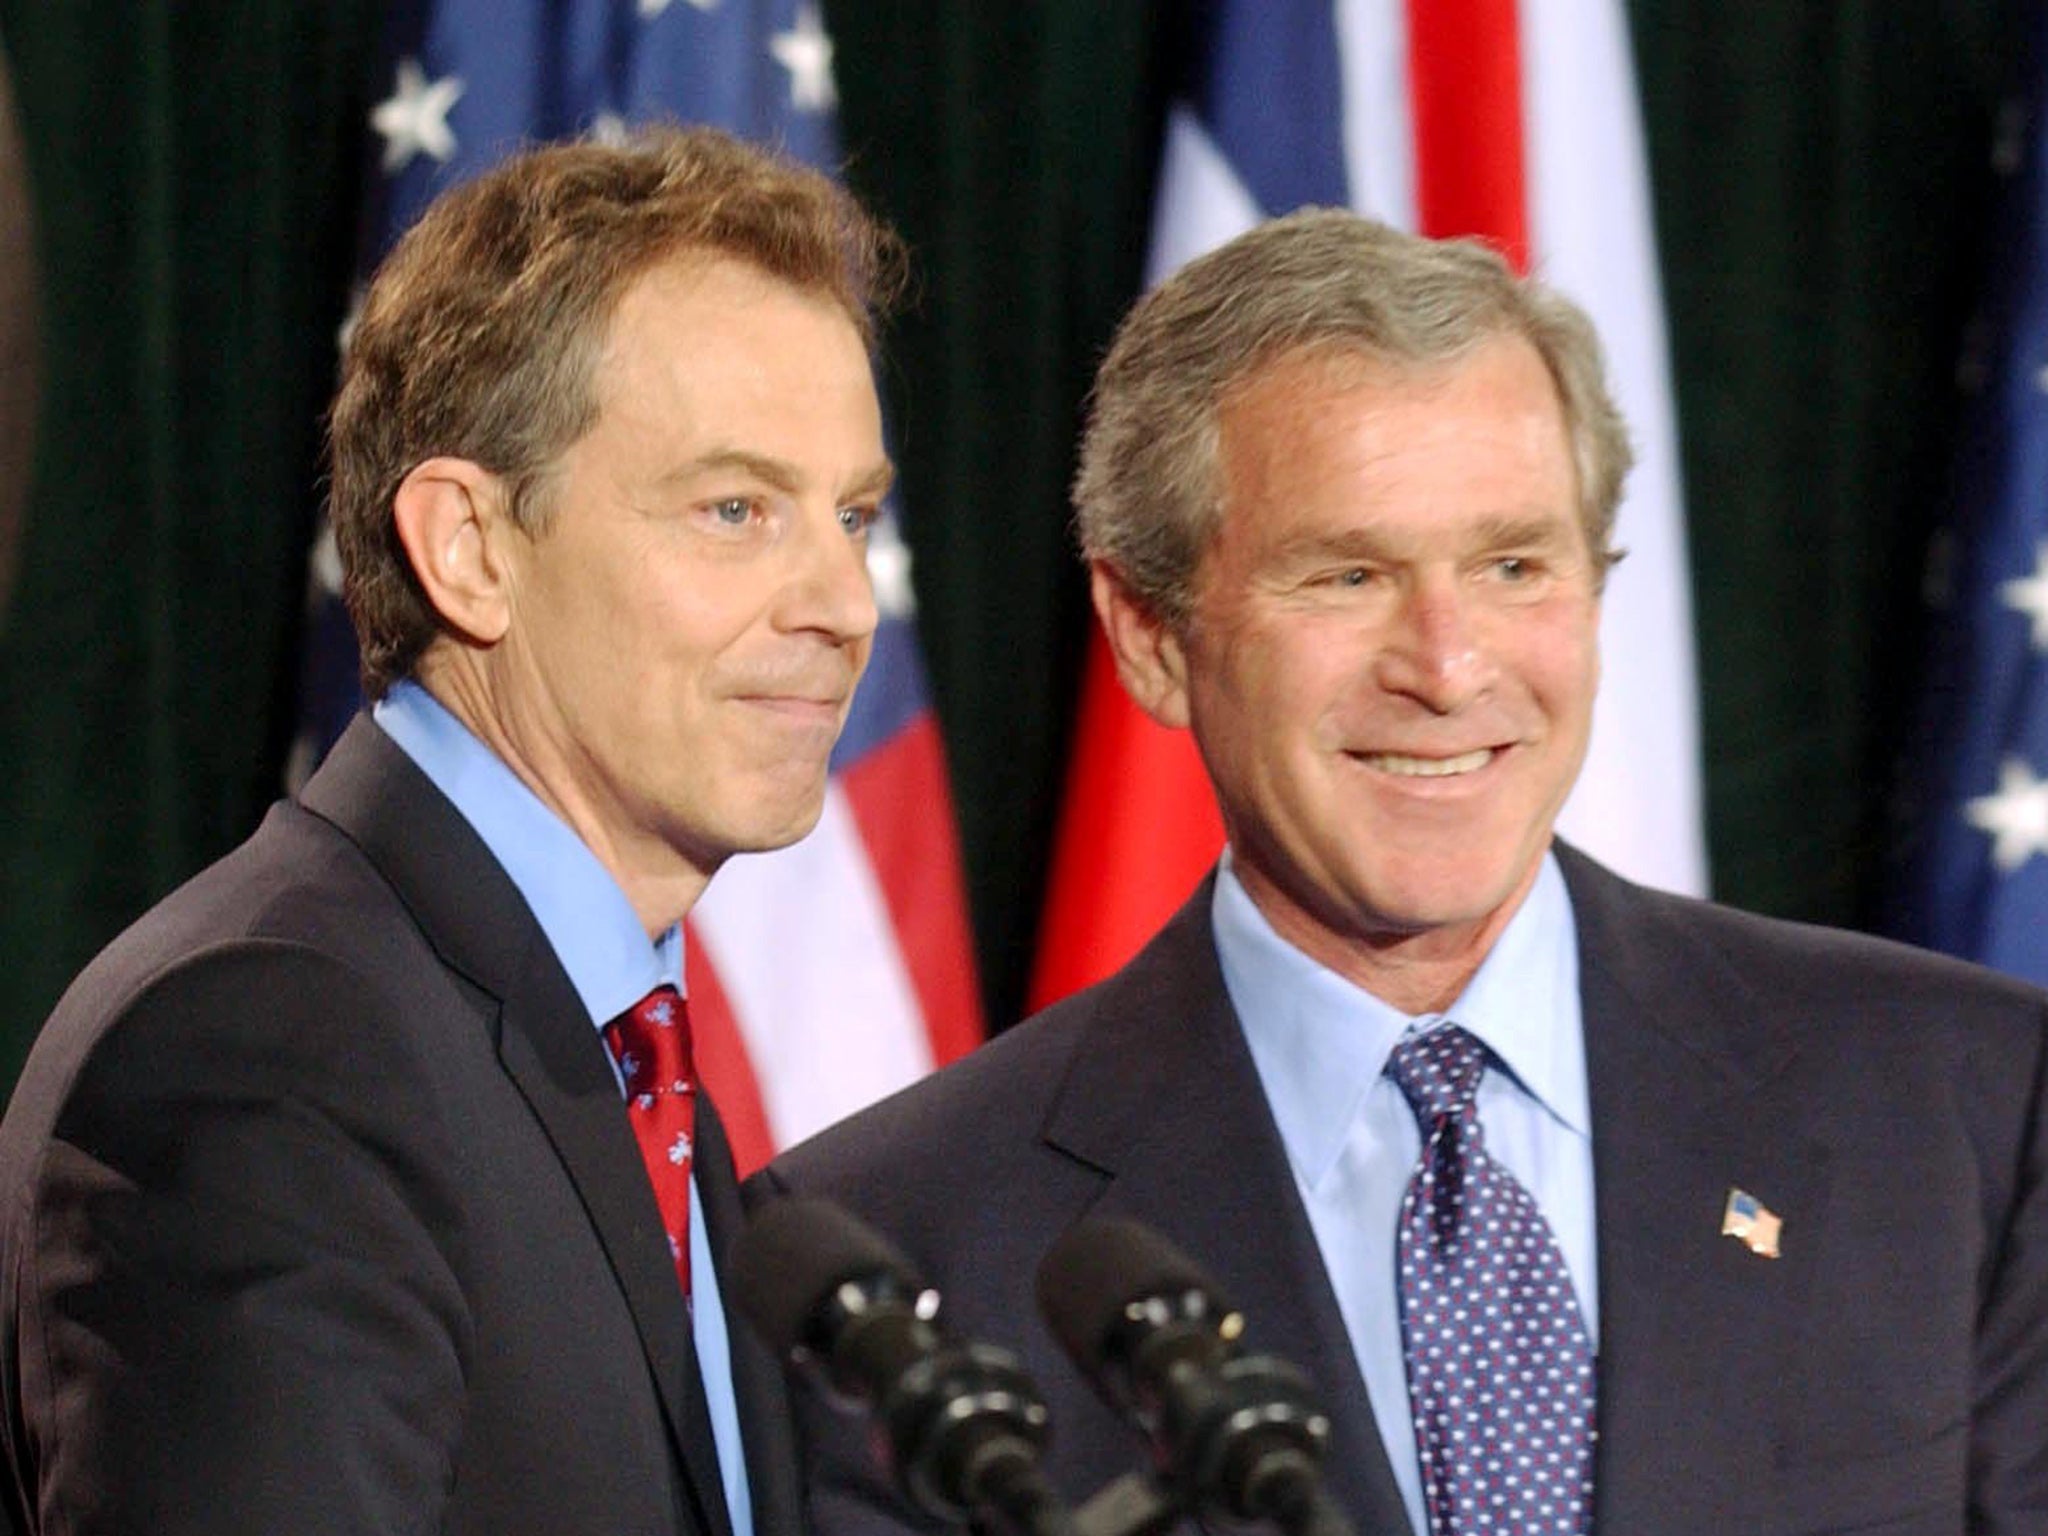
1147	497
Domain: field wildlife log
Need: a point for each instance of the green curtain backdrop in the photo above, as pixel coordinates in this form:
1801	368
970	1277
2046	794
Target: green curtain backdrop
194	173
1821	183
1822	174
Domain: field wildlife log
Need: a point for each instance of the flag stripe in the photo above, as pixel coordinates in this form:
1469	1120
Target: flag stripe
900	800
803	946
1140	830
1379	131
1637	804
1465	94
1279	51
723	1066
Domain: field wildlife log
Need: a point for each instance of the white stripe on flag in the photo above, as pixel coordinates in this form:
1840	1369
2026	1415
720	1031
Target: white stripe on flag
1637	805
1201	201
806	955
1379	132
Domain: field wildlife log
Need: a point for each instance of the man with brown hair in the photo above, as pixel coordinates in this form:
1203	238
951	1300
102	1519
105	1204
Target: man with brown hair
363	1185
1587	1207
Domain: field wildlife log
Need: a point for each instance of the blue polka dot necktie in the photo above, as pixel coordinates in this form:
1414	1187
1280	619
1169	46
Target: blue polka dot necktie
1500	1369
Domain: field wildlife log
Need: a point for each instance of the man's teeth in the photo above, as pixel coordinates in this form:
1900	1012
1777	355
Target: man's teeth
1429	767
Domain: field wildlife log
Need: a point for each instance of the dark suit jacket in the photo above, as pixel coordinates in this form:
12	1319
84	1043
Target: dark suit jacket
1889	1373
322	1214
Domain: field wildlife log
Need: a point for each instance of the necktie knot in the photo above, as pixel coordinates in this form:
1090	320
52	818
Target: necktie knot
1438	1071
651	1042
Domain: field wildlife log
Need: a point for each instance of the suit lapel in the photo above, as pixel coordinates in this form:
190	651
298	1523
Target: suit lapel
1164	1098
1682	1059
562	1074
481	927
1683	1062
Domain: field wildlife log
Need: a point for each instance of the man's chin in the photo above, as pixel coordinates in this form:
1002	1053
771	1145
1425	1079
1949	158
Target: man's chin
768	833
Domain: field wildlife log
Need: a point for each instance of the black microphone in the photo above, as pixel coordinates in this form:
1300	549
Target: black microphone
962	1425
1234	1435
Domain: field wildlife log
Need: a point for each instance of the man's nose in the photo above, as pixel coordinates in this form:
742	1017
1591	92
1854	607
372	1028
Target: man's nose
833	594
1435	652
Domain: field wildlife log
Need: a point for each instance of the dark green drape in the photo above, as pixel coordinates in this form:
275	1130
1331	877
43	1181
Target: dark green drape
1822	184
193	172
1820	191
20	356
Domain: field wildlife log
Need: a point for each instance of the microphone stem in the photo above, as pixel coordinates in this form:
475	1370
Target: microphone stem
1011	1496
1289	1491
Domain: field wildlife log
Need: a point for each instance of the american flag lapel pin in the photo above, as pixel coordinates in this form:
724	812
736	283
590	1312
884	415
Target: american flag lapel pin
1752	1223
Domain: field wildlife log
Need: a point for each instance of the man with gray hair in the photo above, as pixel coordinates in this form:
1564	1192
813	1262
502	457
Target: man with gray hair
1586	1207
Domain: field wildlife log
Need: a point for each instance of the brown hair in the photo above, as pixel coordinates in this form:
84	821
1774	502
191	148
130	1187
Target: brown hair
1147	496
481	331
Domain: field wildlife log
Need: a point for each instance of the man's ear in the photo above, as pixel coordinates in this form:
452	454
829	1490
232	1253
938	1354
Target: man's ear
451	516
1150	660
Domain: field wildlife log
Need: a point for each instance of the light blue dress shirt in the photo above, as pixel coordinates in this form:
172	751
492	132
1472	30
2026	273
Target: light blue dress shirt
1321	1046
598	938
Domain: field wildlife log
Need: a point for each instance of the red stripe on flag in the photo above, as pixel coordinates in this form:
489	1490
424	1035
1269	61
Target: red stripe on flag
899	798
1465	83
1138	831
722	1064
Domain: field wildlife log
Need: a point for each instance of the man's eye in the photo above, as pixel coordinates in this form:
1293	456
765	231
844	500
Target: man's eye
1515	567
733	511
858	520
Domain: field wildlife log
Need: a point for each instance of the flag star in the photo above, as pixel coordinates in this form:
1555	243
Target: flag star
2016	816
2041	379
806	52
2029	595
649	9
414	117
889	569
608	128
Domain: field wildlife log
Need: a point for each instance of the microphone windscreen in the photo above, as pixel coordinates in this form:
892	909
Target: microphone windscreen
795	1253
1100	1266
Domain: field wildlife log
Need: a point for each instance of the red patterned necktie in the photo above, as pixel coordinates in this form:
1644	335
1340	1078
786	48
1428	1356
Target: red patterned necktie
651	1043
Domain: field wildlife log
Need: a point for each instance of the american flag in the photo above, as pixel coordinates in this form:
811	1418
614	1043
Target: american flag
1976	871
832	972
1515	120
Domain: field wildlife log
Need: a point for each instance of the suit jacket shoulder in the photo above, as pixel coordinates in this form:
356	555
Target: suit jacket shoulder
325	1216
1884	1349
1884	1104
1136	1097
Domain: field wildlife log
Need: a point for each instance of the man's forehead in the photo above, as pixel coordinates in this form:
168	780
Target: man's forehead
706	304
1298	410
1347	365
682	270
